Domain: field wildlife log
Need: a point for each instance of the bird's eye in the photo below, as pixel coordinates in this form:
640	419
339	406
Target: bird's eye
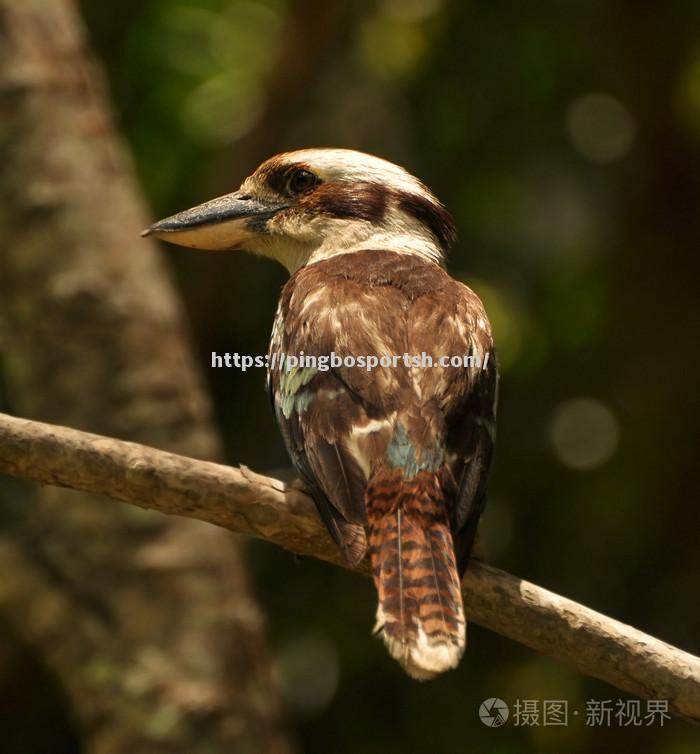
301	181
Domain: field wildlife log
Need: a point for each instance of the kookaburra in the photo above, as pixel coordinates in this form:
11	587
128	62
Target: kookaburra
396	458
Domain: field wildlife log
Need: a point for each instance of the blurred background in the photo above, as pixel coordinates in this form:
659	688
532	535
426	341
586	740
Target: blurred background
565	139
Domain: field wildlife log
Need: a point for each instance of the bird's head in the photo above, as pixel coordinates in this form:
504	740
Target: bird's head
301	207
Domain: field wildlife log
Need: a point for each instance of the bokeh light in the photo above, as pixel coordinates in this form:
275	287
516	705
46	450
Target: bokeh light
412	10
392	46
584	433
223	108
687	96
600	127
310	673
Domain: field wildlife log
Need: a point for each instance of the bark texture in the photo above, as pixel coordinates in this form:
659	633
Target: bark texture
241	500
149	622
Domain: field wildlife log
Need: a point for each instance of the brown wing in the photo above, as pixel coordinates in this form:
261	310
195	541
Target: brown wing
338	422
453	322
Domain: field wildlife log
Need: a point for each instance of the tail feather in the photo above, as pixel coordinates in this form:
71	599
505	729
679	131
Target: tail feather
420	613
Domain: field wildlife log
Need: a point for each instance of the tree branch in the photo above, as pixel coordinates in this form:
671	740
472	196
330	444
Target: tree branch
246	502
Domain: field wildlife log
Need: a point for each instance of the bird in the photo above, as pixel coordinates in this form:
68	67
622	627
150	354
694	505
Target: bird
396	458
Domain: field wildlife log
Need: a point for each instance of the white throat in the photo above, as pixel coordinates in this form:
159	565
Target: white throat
323	237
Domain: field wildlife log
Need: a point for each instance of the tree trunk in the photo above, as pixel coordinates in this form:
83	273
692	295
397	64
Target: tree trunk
148	621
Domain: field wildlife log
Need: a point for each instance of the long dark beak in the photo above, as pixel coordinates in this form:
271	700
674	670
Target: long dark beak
220	224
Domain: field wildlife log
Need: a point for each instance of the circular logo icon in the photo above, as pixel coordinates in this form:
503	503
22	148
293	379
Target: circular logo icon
493	712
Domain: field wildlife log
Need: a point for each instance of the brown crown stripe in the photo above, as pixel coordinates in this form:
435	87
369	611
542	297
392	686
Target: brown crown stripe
432	214
346	200
363	200
276	175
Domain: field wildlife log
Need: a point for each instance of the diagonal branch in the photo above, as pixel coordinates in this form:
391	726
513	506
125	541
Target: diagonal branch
246	502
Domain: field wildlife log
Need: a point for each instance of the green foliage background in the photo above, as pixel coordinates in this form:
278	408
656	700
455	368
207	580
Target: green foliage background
565	138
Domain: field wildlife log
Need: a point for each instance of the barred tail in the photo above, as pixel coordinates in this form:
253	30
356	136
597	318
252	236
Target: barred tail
420	612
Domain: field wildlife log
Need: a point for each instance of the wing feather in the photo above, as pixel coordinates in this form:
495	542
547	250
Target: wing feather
337	422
